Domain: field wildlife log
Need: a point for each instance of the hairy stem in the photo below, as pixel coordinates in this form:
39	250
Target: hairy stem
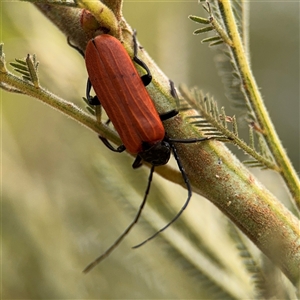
255	99
213	170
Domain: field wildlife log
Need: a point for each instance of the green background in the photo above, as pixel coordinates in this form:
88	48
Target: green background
64	193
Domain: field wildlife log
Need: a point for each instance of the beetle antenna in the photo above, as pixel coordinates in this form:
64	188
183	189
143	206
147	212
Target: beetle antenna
122	236
189	188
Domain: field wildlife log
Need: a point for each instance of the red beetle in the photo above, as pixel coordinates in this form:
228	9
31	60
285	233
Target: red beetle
122	93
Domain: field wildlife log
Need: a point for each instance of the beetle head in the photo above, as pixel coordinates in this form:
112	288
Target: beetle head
156	154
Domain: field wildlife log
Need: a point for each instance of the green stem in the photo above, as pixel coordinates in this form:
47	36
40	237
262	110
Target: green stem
213	171
68	108
17	85
252	91
102	13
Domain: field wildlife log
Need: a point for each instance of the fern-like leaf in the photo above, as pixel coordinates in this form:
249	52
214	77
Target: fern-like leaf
3	69
231	78
214	124
225	62
28	68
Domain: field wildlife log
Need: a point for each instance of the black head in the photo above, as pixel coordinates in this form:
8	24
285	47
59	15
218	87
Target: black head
156	154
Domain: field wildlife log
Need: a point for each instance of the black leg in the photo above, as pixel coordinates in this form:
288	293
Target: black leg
147	77
74	47
137	162
168	115
110	146
172	113
91	100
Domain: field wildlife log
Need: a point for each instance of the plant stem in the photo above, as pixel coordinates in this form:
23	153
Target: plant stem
68	108
252	92
213	171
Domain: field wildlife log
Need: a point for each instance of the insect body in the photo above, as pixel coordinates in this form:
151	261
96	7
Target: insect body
122	93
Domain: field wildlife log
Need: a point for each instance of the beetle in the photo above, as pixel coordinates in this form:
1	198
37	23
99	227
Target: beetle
121	92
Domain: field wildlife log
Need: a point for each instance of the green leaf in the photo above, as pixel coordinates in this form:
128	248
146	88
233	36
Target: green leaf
202	30
199	19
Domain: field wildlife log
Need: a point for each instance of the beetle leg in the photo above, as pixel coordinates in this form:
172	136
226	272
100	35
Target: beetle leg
91	100
95	101
172	113
168	115
121	148
147	77
74	47
105	141
137	162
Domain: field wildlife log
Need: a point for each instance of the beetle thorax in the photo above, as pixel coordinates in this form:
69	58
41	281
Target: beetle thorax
156	154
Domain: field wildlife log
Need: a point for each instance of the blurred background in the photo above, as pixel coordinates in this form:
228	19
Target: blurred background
66	197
